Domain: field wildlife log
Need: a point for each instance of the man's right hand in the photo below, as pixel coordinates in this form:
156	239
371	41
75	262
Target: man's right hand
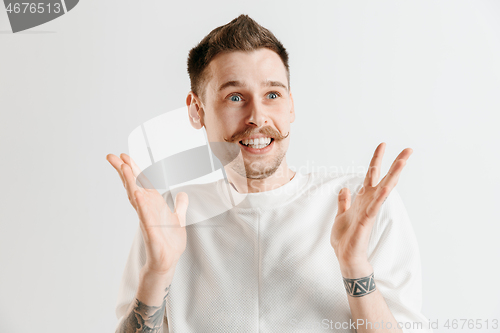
163	231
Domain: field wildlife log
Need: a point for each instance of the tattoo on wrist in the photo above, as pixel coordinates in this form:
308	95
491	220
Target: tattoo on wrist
360	287
145	318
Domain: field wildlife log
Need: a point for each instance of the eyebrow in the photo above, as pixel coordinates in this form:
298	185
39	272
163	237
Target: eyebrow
274	84
267	83
230	84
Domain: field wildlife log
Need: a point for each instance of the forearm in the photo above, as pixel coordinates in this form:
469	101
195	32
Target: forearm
146	313
369	310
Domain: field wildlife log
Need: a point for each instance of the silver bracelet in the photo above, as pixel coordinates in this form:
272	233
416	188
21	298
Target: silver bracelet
360	287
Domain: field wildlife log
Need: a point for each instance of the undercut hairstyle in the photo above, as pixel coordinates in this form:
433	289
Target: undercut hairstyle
241	34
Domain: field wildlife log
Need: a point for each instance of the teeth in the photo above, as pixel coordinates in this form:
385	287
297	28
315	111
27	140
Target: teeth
257	143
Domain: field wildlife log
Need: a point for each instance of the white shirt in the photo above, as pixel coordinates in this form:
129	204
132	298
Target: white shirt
267	265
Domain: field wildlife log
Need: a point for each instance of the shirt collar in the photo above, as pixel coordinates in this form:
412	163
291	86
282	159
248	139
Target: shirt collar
264	199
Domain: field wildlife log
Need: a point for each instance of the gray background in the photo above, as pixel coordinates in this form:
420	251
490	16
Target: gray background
420	74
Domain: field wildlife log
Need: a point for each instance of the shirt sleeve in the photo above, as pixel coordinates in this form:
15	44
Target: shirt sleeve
394	255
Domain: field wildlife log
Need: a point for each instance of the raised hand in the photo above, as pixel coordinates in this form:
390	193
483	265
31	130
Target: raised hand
163	231
353	223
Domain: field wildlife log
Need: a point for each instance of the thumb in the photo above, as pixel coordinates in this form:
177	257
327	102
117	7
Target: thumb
181	204
344	200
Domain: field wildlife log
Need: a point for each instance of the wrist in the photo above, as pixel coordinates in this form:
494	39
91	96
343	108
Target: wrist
155	275
154	270
356	270
360	287
153	287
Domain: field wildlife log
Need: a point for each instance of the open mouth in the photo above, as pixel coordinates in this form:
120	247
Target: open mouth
259	143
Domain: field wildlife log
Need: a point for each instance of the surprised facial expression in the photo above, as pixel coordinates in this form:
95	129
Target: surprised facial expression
247	102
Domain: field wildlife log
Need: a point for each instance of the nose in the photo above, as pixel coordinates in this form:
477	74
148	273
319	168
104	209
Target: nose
258	116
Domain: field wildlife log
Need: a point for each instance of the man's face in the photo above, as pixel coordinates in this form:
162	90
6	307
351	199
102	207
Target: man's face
246	98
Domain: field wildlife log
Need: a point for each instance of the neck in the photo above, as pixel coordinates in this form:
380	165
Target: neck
249	185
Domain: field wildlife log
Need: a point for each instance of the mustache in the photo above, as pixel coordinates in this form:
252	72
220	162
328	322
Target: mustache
267	131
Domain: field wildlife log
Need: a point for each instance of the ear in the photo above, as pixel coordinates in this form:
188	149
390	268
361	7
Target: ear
194	110
292	109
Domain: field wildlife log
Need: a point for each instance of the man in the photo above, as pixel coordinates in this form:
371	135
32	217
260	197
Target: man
295	254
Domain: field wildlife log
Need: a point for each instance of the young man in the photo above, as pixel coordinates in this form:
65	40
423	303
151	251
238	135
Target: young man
295	254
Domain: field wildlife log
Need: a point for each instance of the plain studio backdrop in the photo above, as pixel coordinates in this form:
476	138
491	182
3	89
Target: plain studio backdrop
424	75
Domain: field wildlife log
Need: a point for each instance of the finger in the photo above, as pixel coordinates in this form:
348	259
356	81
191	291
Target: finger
181	204
374	206
116	162
373	173
141	206
129	183
141	179
142	210
392	177
127	159
344	200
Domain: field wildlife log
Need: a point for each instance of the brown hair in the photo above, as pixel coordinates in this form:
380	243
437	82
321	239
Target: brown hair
241	34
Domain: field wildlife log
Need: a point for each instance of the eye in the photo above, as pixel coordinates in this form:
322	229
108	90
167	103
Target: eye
273	95
235	98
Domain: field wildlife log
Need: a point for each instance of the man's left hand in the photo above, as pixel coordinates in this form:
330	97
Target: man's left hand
353	224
